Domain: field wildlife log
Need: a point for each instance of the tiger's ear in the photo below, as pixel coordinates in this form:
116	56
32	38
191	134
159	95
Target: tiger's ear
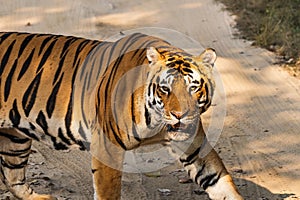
208	56
153	55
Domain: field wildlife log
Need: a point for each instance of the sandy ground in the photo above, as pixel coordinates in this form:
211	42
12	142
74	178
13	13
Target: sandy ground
259	144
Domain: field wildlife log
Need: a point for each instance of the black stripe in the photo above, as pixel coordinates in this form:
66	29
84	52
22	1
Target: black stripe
206	90
32	127
82	101
199	173
58	70
41	121
211	88
45	41
29	134
18	184
188	59
9	80
178	62
78	51
15	139
96	42
75	71
82	45
147	116
30	94
25	155
149	89
5	58
21	151
187	65
14	154
171	72
102	59
68	120
134	132
14	166
20	33
24	44
86	145
19	155
189	163
81	132
118	139
201	82
190	75
66	46
4	37
21	182
14	115
83	145
85	66
62	137
194	63
1	169
159	96
52	98
170	65
135	37
26	65
141	49
58	145
46	55
187	70
91	72
191	156
206	100
209	180
151	80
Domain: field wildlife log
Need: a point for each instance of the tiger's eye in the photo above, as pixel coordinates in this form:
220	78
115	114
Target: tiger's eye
193	88
164	89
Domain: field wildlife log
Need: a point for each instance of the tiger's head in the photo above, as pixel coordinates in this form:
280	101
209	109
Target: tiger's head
180	88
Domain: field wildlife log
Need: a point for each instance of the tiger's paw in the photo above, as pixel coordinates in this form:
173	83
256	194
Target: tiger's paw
224	189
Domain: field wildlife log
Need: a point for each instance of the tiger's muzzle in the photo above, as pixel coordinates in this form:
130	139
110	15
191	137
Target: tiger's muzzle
180	131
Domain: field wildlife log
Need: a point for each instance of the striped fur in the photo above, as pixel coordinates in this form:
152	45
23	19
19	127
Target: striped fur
109	97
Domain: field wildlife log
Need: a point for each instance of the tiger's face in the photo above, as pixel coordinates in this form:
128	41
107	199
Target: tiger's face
180	88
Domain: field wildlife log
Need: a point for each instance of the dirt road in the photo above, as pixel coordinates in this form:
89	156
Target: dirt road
260	140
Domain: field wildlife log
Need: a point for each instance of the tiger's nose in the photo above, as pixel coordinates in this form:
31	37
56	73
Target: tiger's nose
179	115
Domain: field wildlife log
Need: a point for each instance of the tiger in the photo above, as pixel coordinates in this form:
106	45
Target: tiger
107	98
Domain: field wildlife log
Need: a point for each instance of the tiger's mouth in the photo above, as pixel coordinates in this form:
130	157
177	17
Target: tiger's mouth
180	131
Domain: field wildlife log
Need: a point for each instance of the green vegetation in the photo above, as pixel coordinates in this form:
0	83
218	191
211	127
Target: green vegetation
272	24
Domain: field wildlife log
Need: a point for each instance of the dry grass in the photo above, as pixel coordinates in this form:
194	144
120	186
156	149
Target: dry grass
272	24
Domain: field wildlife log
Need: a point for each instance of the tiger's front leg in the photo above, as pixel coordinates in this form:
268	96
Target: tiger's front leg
205	167
107	181
210	173
14	153
107	165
